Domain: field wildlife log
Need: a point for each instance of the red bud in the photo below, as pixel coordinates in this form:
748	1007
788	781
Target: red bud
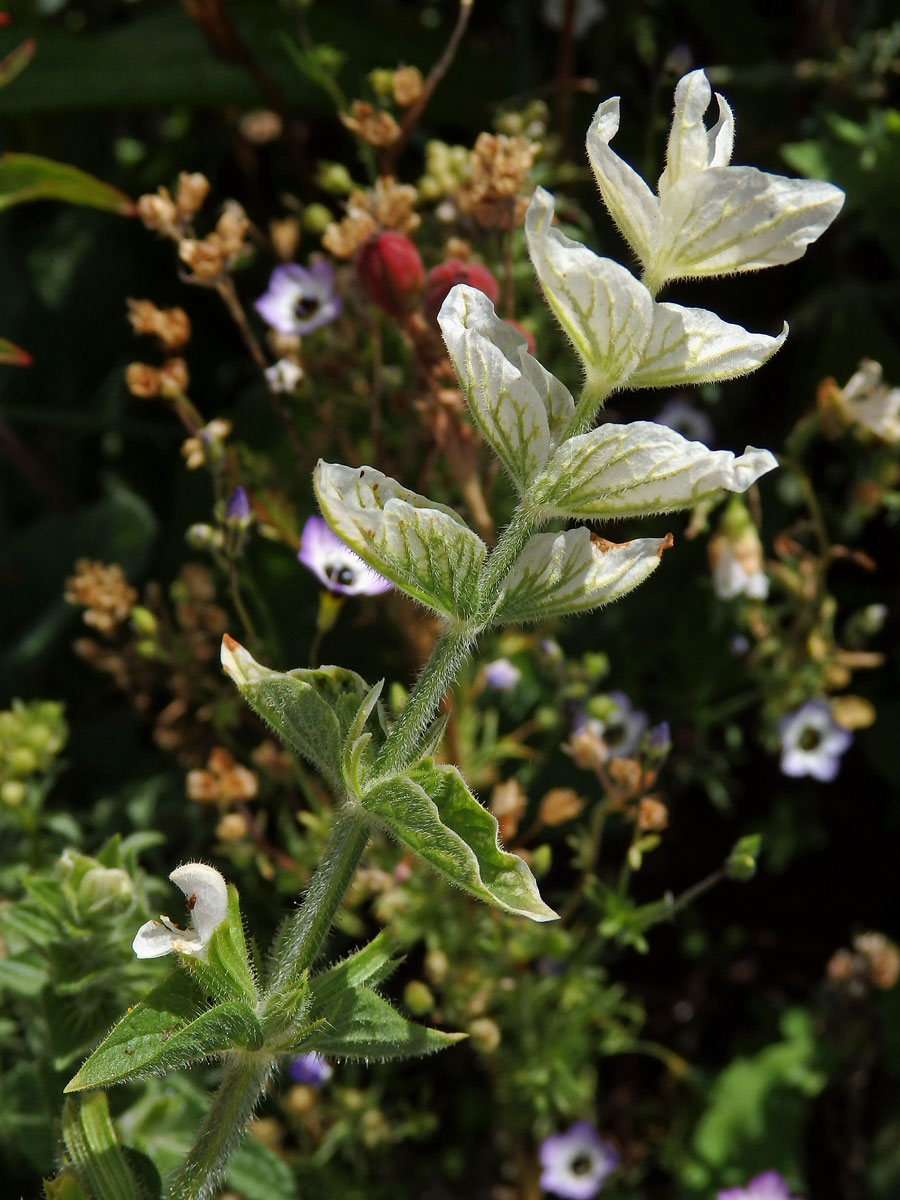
390	272
445	275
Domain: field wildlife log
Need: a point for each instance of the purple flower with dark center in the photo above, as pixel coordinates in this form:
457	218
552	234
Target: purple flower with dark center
812	742
576	1163
300	299
501	675
237	506
768	1186
311	1069
335	564
679	414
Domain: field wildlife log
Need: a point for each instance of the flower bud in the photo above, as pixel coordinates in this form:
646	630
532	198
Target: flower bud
446	275
417	998
157	210
390	273
142	380
107	890
173	377
485	1033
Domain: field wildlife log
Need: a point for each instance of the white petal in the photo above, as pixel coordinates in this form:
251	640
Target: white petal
509	393
152	940
602	307
561	573
631	204
692	345
720	139
207	895
729	219
642	467
688	147
425	548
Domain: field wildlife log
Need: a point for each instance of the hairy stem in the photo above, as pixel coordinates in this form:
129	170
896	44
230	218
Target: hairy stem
239	1092
307	929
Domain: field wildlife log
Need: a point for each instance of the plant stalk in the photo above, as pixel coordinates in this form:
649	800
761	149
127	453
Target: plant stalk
239	1092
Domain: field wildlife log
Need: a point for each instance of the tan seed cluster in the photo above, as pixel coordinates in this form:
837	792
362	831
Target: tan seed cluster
223	782
498	168
371	125
146	382
103	592
560	805
170	326
389	205
406	86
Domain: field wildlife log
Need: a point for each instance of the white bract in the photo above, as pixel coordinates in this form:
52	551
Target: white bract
708	218
207	896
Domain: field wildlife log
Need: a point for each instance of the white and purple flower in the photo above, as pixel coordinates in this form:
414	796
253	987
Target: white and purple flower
767	1186
310	1069
501	675
300	299
620	729
335	564
576	1163
812	742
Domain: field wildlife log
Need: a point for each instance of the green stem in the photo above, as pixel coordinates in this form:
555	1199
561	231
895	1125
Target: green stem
239	1092
307	929
593	397
437	675
509	546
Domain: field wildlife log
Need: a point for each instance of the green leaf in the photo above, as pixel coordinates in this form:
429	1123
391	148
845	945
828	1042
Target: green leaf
311	711
64	1187
12	355
423	547
226	973
164	1031
93	1149
431	811
357	1023
27	177
257	1173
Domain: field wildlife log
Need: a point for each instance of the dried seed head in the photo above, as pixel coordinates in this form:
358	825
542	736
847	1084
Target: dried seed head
191	192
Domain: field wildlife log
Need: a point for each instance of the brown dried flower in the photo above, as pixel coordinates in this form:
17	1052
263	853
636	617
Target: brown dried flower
207	445
223	781
881	957
104	593
171	326
261	126
204	257
389	205
560	805
653	816
498	168
508	802
157	211
406	86
173	377
231	229
142	380
370	124
190	193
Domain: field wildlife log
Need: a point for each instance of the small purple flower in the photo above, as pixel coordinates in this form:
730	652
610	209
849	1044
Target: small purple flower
576	1163
237	507
311	1069
768	1186
501	675
300	299
335	564
812	742
679	414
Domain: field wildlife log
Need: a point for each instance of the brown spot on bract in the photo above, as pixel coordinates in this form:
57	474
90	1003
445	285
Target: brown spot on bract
666	544
229	643
192	900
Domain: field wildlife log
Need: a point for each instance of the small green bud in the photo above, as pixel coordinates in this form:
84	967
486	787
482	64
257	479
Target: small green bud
397	697
541	859
334	178
596	665
105	890
203	537
485	1033
417	998
143	621
12	793
741	862
437	964
381	81
22	761
316	218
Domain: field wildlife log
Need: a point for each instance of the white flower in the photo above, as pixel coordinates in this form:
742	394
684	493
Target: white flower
864	400
708	218
731	576
812	742
284	376
207	897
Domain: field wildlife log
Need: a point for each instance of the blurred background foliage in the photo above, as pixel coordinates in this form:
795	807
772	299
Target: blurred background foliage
784	1073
